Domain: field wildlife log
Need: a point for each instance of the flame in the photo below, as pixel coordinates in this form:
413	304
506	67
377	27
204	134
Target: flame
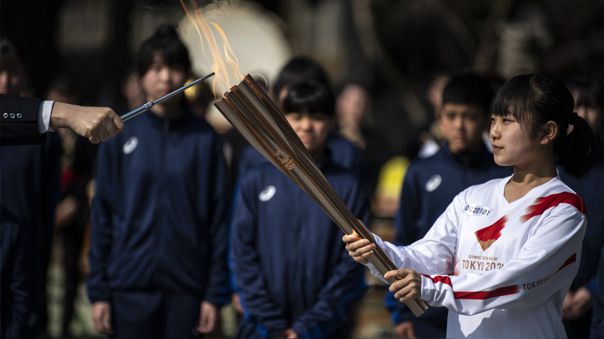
224	61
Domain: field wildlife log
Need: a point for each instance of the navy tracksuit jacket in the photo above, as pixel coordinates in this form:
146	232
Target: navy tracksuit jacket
158	215
290	265
429	186
591	189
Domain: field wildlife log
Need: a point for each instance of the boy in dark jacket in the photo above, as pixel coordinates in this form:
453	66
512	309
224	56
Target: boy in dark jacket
293	275
159	242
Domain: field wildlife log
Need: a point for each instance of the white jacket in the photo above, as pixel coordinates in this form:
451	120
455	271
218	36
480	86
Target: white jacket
502	269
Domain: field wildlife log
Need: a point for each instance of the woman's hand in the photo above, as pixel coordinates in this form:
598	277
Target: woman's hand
359	249
407	286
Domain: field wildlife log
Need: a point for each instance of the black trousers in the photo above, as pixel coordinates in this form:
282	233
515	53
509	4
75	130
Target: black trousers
154	315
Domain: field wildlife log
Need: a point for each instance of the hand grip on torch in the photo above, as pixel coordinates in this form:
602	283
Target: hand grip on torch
260	122
147	106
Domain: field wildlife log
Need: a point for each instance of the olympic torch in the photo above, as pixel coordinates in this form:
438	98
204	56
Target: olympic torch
257	118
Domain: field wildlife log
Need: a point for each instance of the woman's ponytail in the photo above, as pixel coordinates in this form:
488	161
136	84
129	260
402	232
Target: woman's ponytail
574	150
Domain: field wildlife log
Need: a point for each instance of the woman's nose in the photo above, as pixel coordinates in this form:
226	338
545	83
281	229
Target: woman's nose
305	122
494	131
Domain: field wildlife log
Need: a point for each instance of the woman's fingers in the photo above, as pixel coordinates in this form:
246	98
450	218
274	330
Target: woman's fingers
407	293
359	249
362	251
401	273
353	246
406	285
349	238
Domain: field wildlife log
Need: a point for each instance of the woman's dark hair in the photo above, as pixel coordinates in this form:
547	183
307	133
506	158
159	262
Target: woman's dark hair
167	44
533	100
300	69
469	88
309	97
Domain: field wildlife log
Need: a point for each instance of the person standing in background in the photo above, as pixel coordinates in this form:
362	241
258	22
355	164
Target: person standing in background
577	307
301	69
30	190
159	239
292	273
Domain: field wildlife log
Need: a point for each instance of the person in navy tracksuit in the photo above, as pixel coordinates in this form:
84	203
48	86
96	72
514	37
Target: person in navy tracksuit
431	183
342	152
159	241
577	307
302	69
292	272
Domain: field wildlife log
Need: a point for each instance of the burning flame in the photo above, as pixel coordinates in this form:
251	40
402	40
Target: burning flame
224	63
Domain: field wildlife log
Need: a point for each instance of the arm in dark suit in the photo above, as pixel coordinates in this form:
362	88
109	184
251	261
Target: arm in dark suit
19	121
19	117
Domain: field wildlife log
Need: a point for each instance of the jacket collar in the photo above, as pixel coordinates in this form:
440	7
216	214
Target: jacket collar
475	159
177	121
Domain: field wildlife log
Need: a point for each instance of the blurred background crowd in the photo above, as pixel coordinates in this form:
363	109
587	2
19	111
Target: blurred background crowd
387	63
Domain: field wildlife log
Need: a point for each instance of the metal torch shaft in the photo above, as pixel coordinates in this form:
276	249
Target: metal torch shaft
147	106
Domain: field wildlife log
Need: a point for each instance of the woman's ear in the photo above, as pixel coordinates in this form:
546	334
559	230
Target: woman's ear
550	132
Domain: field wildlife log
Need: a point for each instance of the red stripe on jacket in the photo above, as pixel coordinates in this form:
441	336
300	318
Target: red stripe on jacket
482	295
474	295
439	279
568	261
544	203
492	232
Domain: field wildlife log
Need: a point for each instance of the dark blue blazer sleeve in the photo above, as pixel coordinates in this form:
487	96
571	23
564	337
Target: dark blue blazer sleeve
19	121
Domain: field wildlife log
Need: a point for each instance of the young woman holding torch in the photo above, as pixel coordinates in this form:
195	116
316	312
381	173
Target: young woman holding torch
504	253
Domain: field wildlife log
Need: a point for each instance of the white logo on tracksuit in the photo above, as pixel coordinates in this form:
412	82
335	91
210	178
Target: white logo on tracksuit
130	145
433	183
268	193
